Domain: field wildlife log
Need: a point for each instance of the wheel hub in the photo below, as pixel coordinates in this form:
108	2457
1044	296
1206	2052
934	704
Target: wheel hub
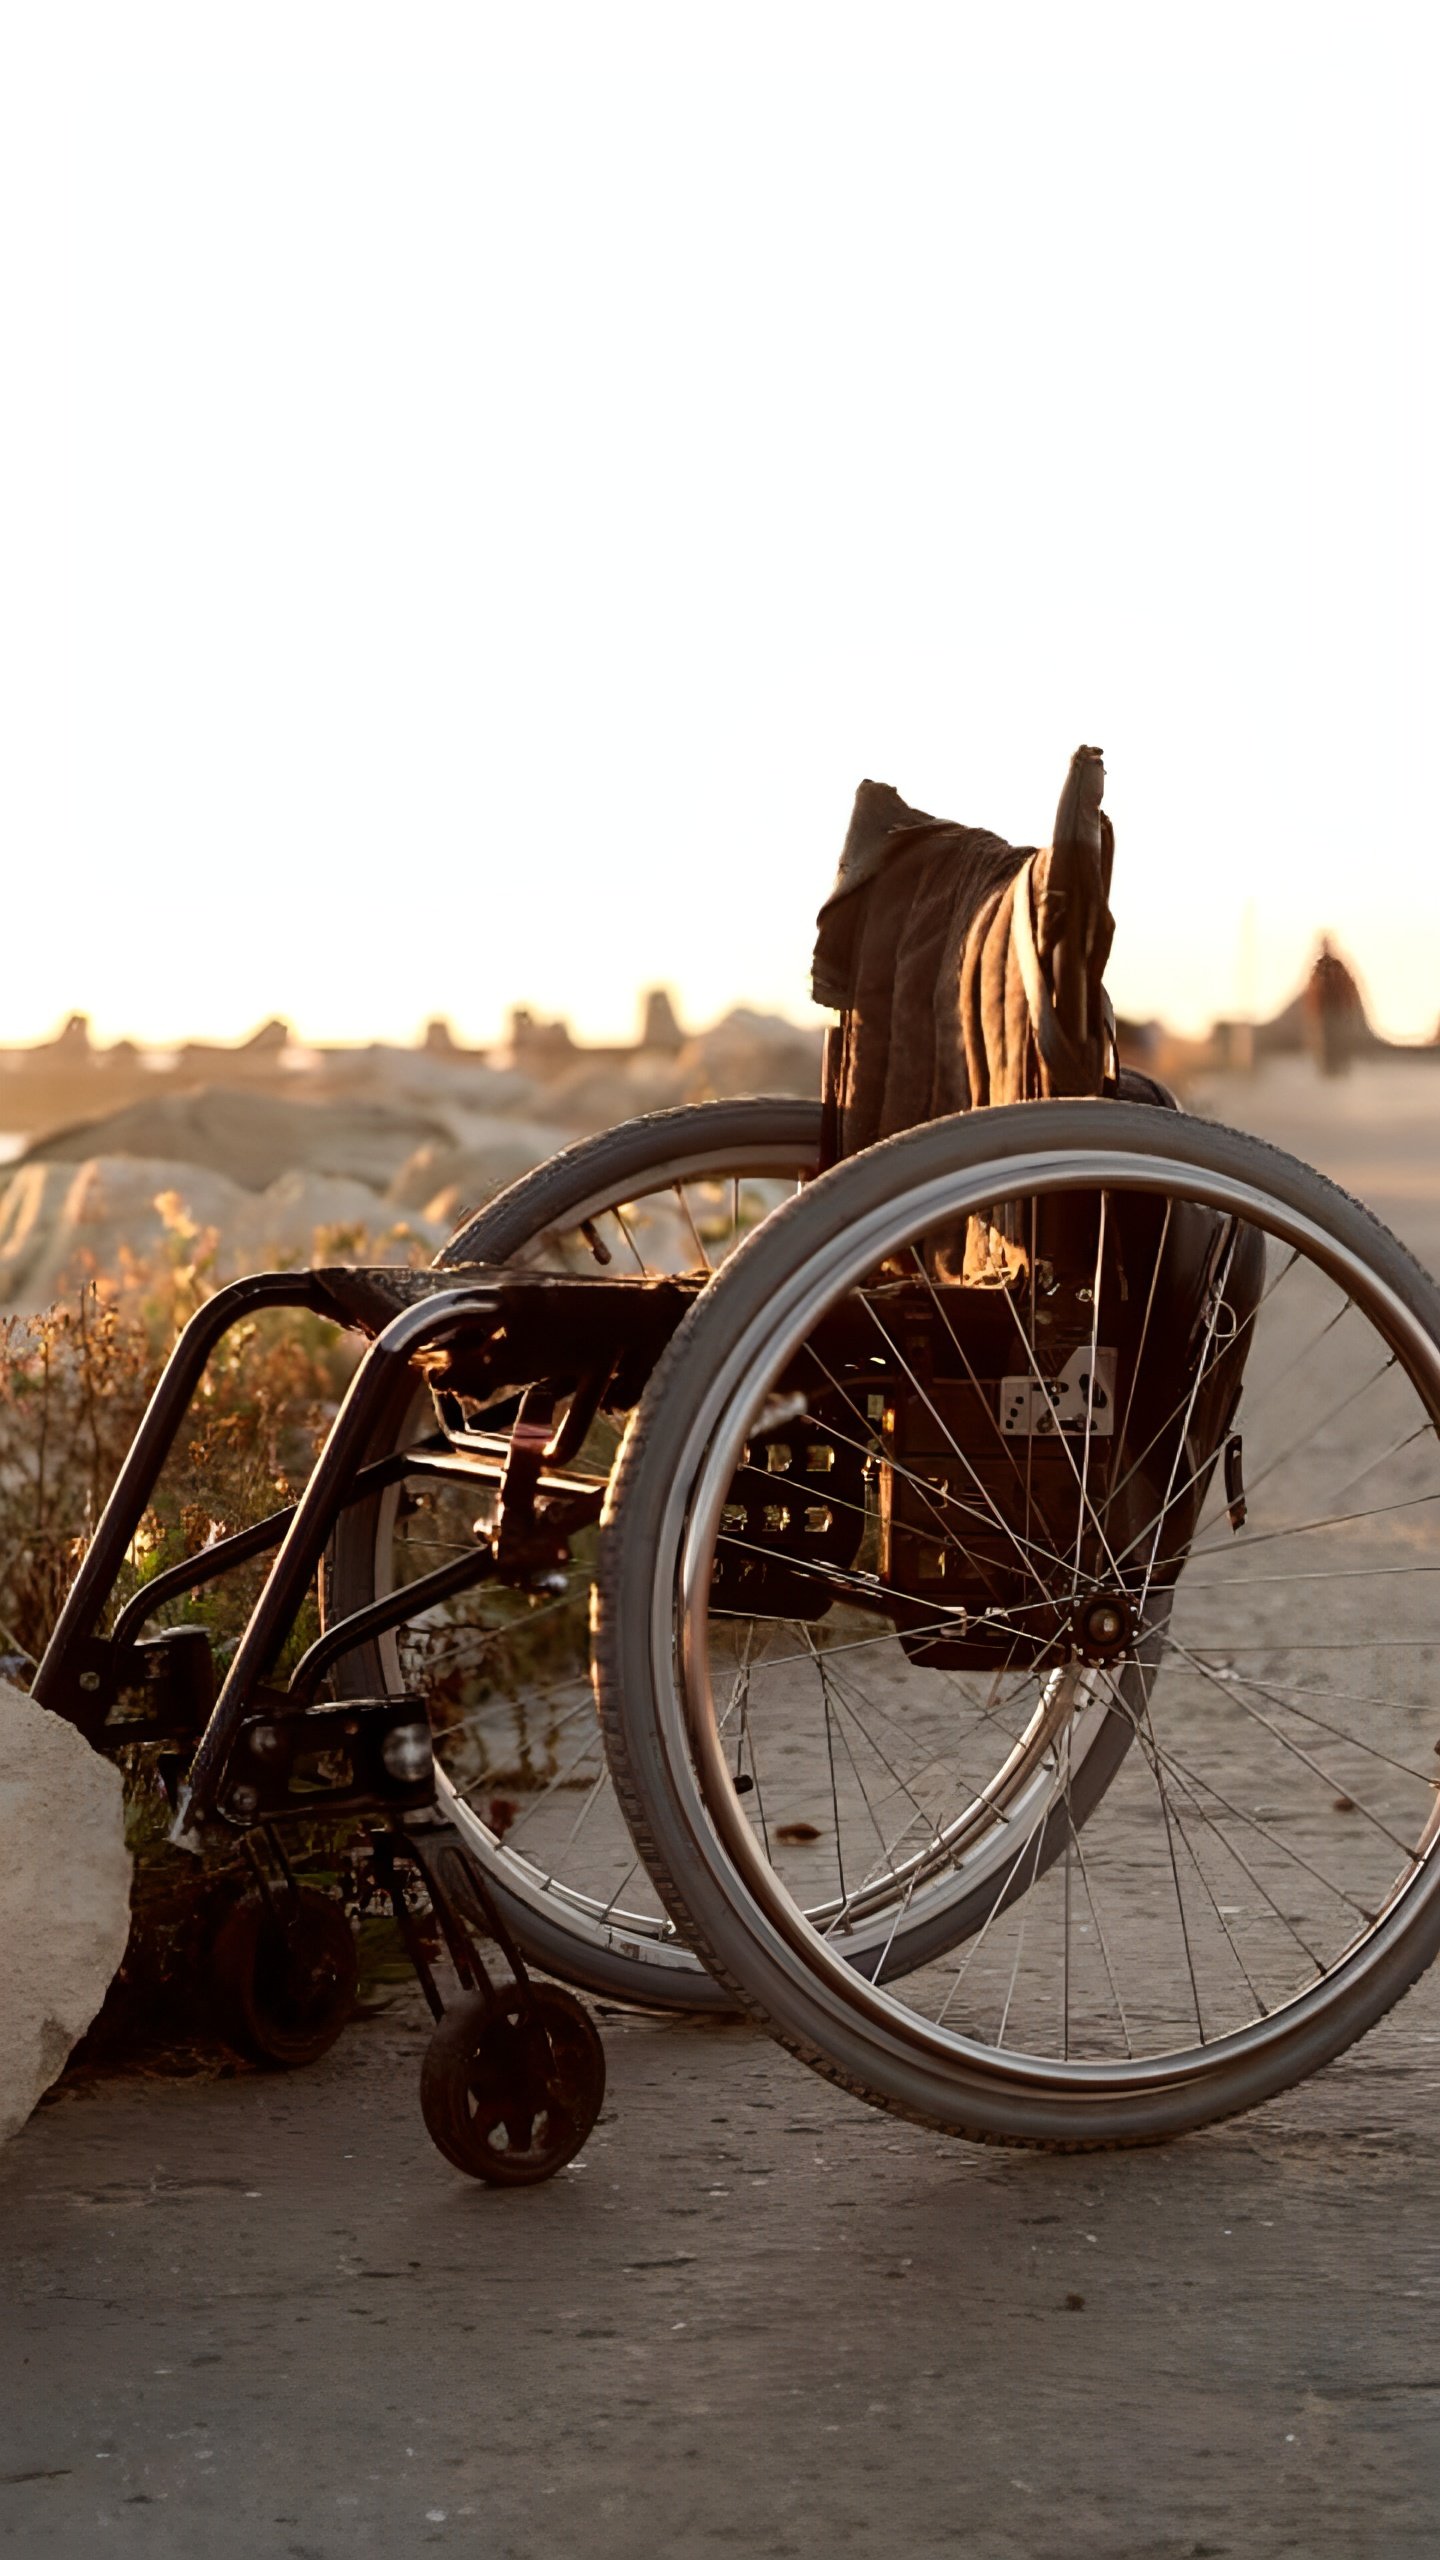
1102	1628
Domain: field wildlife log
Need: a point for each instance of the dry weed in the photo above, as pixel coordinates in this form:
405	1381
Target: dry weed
74	1383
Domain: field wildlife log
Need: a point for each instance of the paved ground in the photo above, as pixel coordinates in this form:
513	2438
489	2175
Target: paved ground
261	2316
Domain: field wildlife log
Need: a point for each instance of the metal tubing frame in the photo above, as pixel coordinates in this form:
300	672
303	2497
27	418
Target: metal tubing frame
221	1556
461	1574
464	1907
301	1531
225	1553
428	1323
148	1451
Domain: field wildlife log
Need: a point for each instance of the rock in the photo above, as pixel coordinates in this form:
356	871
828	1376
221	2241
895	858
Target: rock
311	1216
61	1224
64	1895
493	1153
598	1096
748	1052
252	1138
661	1028
435	1081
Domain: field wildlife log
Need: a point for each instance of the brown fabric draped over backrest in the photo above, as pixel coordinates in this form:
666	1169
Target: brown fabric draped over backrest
967	970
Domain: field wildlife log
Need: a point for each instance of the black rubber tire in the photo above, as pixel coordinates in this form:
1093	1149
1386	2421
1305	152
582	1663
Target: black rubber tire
599	1167
535	2054
616	1157
815	2005
284	1976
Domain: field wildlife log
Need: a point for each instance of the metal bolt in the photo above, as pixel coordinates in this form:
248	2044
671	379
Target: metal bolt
89	1679
406	1753
243	1801
265	1742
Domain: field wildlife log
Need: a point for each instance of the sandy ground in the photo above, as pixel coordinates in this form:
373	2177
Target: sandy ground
261	2315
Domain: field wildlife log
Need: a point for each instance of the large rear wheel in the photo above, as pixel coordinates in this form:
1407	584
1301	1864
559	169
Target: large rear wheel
1127	1687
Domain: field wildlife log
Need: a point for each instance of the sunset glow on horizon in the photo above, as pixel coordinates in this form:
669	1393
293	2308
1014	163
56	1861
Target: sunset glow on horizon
484	487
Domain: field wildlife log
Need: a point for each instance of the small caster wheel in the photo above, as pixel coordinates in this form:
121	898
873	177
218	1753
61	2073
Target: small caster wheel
284	1976
512	2083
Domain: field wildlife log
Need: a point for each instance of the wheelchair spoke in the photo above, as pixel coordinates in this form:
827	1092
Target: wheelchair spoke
1019	1879
1088	1515
1334	1573
902	1786
1244	1333
1151	1753
1078	1842
1314	1430
1170	1761
1326	1520
622	1222
1190	1789
560	1780
686	1213
1235	1691
1273	1385
1287	1694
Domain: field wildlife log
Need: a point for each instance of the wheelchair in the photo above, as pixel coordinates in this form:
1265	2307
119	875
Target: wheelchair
1002	1561
1017	1695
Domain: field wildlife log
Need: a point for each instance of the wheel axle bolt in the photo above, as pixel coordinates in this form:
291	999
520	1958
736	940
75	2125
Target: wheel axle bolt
1106	1624
406	1753
242	1802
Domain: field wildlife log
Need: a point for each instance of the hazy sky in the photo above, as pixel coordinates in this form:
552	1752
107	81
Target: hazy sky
482	484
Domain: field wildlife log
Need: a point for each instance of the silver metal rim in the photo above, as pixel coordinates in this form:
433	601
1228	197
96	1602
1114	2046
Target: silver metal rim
695	1770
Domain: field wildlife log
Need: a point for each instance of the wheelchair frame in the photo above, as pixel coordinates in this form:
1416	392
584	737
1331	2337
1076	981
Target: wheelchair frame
536	1340
263	1751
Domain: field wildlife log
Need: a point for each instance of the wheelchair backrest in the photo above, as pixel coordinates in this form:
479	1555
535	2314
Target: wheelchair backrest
1059	1377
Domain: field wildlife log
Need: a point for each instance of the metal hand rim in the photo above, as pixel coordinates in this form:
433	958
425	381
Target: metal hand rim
713	1440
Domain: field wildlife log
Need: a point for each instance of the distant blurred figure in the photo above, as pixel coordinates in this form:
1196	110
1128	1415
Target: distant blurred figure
1334	1011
